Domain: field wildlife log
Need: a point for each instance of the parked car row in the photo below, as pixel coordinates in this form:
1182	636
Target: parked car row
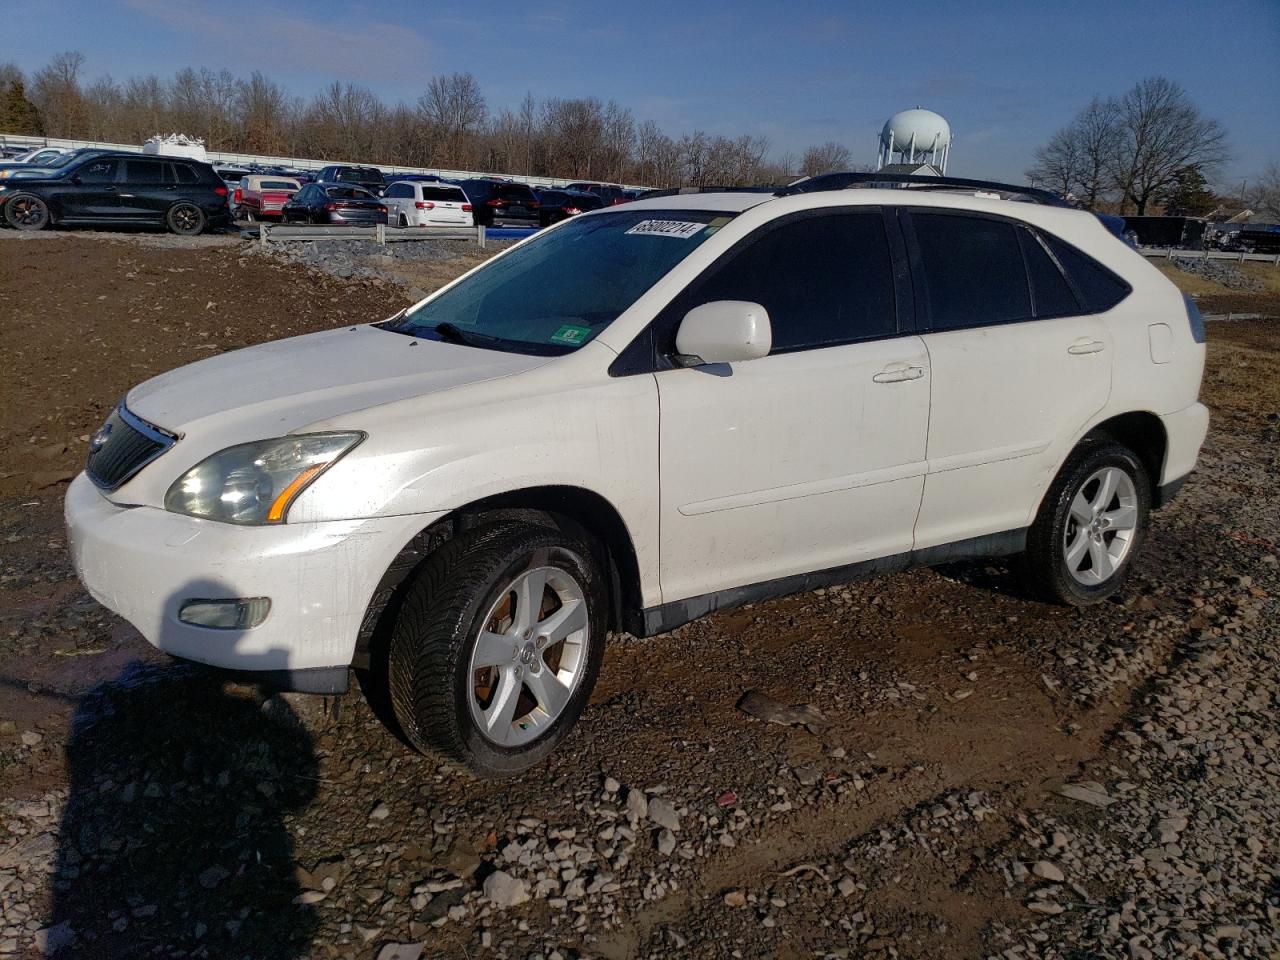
52	186
115	187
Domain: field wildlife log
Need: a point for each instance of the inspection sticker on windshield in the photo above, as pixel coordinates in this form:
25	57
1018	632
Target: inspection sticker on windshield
570	334
681	229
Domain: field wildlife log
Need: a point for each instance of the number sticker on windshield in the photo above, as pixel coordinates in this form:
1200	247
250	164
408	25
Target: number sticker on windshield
570	334
681	229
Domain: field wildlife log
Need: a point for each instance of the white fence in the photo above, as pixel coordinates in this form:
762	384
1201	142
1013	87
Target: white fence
1168	253
298	163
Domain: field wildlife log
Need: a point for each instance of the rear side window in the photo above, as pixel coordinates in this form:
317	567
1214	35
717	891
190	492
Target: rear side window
1098	287
825	280
1053	297
184	173
398	191
144	171
973	272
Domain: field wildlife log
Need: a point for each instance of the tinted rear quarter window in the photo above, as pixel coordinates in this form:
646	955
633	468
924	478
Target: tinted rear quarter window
973	271
1053	297
1098	287
824	280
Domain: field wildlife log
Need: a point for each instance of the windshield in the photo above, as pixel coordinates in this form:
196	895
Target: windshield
559	290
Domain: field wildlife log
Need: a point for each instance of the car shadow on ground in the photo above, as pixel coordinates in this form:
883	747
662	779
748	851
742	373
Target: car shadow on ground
173	839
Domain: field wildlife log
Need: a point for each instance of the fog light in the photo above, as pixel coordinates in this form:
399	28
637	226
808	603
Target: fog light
225	614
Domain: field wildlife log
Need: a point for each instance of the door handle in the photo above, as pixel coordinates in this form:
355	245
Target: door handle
898	372
1085	345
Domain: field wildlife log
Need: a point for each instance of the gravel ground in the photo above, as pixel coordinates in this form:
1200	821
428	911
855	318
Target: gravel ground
1218	271
980	775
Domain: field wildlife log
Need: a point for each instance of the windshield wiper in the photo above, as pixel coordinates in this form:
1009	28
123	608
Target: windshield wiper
451	334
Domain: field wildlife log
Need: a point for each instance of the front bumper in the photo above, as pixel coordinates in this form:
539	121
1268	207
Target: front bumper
144	562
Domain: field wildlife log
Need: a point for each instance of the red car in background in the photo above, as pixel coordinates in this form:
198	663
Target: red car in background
263	196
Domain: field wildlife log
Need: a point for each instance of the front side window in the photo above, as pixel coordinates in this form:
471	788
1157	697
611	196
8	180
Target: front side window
98	171
973	269
824	280
559	290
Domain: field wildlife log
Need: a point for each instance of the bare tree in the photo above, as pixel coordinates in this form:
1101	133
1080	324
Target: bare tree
455	108
56	92
1076	159
264	115
1265	196
1160	132
825	158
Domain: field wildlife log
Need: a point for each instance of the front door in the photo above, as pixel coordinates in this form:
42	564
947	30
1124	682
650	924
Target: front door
91	192
812	457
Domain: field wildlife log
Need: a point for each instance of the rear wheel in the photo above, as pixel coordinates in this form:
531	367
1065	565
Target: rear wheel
1089	528
185	219
26	211
497	646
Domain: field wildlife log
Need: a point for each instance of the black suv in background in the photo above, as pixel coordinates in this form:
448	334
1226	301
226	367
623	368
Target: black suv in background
500	203
368	177
610	193
108	187
559	205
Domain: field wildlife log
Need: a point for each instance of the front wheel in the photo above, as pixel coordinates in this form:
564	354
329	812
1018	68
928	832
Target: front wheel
185	219
26	212
497	647
1091	525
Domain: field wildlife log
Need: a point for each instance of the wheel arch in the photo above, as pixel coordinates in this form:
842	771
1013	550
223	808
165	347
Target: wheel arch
1144	433
576	510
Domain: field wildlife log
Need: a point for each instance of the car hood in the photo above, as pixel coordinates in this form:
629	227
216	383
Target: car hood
274	388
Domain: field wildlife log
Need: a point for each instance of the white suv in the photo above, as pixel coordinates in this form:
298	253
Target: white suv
640	416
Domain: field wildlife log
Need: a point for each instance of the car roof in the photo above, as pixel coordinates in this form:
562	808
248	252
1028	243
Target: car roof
728	202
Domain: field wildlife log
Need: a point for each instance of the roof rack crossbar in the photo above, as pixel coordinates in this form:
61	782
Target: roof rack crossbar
843	181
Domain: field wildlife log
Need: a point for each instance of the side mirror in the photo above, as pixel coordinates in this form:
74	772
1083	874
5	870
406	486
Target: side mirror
723	331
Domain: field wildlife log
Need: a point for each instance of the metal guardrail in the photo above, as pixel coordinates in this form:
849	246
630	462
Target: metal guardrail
298	163
380	234
1168	253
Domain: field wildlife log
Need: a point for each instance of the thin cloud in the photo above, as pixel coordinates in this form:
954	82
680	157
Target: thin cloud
354	49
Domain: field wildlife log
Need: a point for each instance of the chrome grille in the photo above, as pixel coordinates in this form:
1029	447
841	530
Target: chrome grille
123	446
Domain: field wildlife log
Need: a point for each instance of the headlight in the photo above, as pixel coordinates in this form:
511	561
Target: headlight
256	482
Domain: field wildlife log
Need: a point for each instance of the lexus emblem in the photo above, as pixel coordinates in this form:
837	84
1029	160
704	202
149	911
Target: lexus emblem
99	439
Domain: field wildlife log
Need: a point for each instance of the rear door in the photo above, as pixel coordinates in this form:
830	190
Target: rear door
1018	369
147	190
812	457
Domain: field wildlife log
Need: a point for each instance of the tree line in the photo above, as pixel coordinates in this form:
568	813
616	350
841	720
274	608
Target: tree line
1149	147
451	125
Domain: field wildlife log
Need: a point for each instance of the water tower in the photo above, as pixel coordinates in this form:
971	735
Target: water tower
913	138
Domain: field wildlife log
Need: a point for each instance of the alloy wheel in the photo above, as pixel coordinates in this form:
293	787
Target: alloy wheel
1101	526
529	656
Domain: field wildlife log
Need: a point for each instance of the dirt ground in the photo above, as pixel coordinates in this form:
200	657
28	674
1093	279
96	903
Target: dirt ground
148	808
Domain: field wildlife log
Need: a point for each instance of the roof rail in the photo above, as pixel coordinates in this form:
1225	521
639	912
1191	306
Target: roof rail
843	181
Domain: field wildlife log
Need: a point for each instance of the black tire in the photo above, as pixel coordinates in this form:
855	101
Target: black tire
446	606
185	219
26	211
1044	566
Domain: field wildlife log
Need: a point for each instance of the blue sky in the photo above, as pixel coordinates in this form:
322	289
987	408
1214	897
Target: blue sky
1006	74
